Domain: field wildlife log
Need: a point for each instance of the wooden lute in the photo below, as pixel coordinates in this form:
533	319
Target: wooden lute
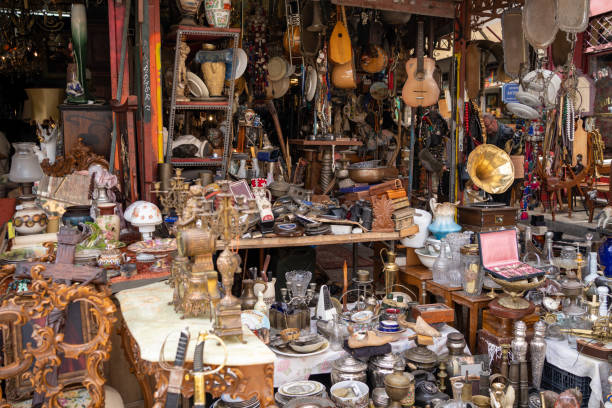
340	50
420	88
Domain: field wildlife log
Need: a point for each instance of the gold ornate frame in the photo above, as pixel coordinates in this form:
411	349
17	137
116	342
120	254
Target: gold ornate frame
40	358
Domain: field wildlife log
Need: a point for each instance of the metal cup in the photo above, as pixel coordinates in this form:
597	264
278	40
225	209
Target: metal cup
165	174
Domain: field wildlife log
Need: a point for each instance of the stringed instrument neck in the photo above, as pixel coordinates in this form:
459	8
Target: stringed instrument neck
420	72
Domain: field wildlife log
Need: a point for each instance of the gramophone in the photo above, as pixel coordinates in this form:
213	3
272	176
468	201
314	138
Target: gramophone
491	169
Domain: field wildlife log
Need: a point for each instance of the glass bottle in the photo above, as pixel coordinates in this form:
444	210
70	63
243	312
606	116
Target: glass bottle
547	257
336	339
528	246
472	272
441	264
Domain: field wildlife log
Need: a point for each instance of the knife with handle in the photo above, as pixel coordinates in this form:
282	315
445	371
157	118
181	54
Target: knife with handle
199	385
175	381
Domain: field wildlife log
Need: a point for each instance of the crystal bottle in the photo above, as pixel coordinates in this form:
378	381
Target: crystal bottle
537	347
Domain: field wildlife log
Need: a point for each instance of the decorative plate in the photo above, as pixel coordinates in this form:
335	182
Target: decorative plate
310	88
291	353
528	99
277	68
243	59
156	246
296	389
23	254
196	86
536	80
280	87
522	111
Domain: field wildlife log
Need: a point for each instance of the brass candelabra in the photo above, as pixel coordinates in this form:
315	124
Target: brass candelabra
176	197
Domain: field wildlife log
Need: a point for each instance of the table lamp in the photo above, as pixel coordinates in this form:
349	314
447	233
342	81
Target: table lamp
25	168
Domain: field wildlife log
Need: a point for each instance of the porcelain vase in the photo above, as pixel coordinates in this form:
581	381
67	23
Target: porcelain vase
109	222
30	219
218	12
77	93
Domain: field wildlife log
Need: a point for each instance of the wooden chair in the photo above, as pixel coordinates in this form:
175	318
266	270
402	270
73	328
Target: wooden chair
33	350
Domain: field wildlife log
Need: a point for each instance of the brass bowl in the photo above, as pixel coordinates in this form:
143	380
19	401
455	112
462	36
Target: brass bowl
367	175
515	290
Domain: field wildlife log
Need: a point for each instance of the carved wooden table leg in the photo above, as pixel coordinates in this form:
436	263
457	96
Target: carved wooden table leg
132	354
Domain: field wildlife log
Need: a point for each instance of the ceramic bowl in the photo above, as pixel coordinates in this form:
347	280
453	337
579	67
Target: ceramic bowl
352	402
309	346
425	257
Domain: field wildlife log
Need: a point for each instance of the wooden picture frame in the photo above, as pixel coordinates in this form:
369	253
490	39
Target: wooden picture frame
78	329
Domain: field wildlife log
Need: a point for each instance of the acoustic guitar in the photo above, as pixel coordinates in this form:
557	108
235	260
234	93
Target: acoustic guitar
420	88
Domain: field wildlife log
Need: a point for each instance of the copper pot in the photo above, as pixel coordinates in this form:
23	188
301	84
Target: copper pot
367	175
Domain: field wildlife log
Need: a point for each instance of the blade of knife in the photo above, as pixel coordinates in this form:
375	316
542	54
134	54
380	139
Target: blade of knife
181	349
199	392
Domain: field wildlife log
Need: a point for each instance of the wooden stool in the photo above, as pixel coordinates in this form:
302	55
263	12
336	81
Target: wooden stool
474	304
416	276
441	290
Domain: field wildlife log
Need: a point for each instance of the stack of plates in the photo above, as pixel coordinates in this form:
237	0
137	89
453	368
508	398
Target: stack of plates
317	228
226	402
389	326
299	389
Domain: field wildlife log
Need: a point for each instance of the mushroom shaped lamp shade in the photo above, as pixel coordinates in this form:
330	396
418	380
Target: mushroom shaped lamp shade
145	216
127	214
25	168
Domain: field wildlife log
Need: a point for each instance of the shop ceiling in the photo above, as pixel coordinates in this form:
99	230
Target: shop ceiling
481	11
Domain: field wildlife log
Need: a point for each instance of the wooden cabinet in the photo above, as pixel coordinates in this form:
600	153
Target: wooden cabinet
92	123
480	219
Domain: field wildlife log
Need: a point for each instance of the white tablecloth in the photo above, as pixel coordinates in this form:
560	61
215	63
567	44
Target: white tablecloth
300	368
561	355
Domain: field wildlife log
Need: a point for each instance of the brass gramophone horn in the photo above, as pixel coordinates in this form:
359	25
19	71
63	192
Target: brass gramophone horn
490	168
316	25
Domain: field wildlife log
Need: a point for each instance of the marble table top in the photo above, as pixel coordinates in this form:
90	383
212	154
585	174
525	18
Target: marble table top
150	319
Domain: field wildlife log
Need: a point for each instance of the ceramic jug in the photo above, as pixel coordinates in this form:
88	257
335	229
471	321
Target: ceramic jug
444	218
268	290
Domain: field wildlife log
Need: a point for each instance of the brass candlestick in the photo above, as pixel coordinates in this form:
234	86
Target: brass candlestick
228	226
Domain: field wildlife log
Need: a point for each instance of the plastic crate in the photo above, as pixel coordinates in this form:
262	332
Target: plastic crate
558	380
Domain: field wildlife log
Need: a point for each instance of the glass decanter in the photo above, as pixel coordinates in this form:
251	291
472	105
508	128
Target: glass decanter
441	264
454	271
